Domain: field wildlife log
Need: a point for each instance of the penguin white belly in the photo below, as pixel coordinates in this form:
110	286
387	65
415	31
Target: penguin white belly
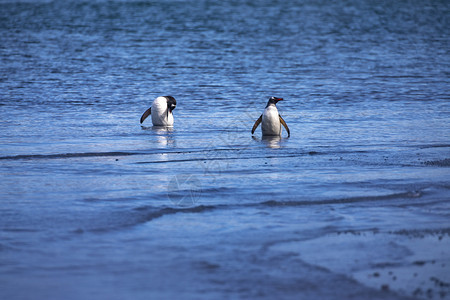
161	116
270	124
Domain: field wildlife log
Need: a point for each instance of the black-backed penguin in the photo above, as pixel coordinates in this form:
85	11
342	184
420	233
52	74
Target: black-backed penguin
271	120
161	111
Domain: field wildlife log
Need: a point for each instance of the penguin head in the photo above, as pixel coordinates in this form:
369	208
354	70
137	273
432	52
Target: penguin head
273	100
171	103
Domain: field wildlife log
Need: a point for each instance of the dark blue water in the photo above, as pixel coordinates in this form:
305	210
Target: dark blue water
355	204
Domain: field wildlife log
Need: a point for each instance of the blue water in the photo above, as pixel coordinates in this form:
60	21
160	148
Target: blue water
96	206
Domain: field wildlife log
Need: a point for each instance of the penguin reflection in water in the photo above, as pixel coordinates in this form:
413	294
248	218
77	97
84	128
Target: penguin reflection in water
271	120
161	111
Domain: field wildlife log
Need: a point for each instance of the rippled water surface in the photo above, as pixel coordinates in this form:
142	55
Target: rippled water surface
354	205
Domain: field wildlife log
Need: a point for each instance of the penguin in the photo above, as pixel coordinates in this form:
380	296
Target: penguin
161	111
271	120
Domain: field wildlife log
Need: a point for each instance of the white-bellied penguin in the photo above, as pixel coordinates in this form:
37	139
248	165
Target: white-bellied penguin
161	111
271	120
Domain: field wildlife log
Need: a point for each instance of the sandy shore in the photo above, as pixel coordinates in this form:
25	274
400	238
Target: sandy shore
411	263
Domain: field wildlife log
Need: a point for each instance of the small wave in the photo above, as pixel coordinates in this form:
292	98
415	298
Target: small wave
184	151
410	194
66	155
399	76
104	154
118	220
228	158
438	163
144	214
20	230
151	213
436	146
423	232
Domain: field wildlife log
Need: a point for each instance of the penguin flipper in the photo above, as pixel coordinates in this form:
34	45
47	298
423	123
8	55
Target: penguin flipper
285	125
257	124
146	114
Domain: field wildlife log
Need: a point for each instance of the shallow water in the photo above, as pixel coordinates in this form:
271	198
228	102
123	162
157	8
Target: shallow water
353	205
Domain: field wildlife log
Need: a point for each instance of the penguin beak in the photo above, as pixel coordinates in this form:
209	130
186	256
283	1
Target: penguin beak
278	99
